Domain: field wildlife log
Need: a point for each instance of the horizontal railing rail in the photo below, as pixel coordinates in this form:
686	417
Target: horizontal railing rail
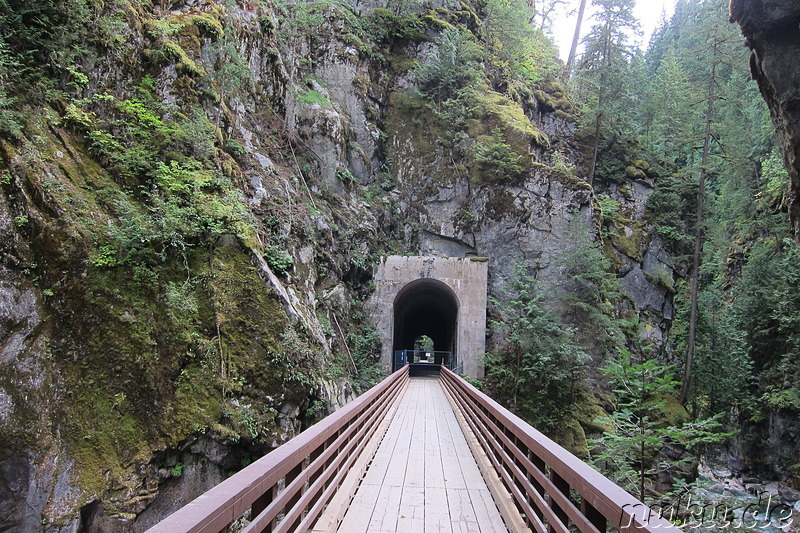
287	489
553	490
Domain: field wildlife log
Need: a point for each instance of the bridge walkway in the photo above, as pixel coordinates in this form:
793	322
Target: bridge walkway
396	459
423	476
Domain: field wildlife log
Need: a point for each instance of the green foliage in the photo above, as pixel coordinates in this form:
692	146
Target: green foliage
366	348
386	27
424	344
609	207
497	162
670	209
9	66
345	176
44	35
294	359
105	256
646	423
234	148
518	54
606	70
177	470
452	66
312	96
590	291
723	370
278	259
538	369
774	173
668	113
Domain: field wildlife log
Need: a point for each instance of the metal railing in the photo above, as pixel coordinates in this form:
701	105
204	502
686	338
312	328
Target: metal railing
287	489
554	491
404	357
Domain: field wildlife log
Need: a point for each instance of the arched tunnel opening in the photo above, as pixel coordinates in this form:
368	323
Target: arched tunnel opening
426	307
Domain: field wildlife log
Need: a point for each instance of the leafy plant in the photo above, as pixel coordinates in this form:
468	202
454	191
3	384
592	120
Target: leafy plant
497	162
536	368
177	470
278	259
590	290
650	433
452	65
345	176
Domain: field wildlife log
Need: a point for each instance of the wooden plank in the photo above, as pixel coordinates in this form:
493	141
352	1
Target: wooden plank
387	509
462	511
504	501
423	478
485	509
411	517
333	515
437	516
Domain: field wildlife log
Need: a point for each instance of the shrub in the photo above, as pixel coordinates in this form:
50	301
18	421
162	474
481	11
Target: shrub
278	259
497	161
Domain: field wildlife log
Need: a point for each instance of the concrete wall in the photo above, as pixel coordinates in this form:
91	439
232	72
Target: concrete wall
465	276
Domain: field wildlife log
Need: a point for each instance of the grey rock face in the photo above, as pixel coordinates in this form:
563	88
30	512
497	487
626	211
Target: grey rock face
772	31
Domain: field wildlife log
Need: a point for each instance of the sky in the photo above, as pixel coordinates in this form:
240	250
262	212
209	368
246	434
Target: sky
647	11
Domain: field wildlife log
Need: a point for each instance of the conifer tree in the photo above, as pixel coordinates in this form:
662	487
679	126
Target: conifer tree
604	66
538	369
573	49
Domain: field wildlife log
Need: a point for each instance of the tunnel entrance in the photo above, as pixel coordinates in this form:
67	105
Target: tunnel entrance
425	308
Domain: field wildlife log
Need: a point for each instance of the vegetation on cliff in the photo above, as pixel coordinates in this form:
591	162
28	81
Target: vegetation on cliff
194	195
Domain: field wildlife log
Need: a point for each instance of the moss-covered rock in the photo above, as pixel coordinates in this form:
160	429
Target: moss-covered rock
630	238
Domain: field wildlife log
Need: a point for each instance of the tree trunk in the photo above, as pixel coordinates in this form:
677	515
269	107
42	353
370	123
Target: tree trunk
698	234
596	147
601	97
575	38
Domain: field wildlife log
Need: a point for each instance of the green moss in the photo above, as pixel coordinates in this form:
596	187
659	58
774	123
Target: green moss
589	413
552	97
635	173
208	25
185	64
433	21
671	412
154	368
493	110
568	178
629	237
571	436
643	165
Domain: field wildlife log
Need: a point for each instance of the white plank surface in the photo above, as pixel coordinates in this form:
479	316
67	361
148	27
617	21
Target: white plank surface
423	477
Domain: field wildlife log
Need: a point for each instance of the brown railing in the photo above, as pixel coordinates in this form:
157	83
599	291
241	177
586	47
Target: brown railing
553	490
287	489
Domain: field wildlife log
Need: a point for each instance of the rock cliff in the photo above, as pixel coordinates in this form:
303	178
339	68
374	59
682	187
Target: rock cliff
772	31
190	219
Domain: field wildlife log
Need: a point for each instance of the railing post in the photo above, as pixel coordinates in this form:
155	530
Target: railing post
294	473
261	503
562	486
593	515
540	465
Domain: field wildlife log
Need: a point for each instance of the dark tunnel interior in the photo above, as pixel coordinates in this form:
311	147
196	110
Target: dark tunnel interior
425	307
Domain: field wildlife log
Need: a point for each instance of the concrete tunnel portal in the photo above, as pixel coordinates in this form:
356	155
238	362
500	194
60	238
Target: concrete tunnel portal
443	298
426	307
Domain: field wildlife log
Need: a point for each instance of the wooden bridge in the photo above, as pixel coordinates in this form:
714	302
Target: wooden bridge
417	454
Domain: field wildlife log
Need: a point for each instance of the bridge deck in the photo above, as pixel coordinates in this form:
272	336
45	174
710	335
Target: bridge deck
423	477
